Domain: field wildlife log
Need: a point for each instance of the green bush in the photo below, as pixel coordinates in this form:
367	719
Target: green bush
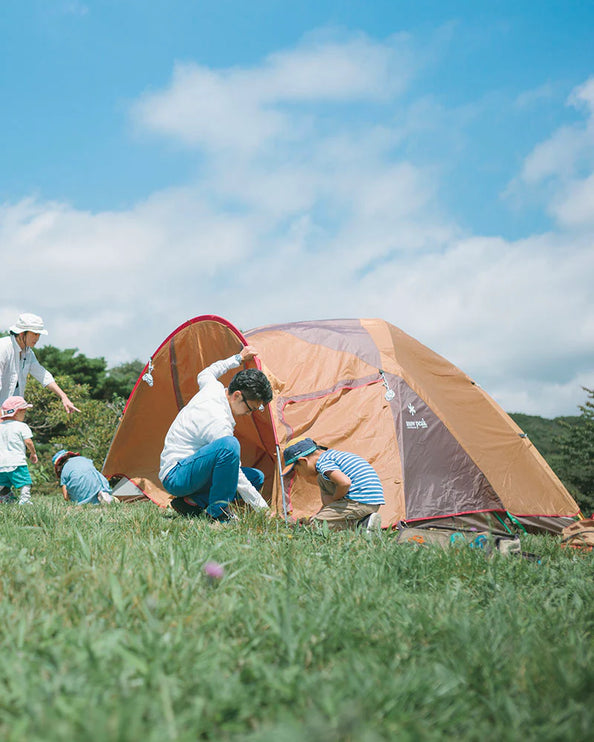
88	432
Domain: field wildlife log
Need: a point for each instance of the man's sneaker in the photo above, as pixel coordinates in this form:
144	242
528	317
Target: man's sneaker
375	522
372	522
186	506
25	500
226	516
105	498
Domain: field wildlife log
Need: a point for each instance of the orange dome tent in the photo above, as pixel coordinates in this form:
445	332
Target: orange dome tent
443	448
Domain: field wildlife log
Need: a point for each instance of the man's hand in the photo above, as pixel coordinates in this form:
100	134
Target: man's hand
68	406
248	353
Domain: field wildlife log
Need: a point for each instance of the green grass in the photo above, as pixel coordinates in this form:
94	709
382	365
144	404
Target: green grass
109	630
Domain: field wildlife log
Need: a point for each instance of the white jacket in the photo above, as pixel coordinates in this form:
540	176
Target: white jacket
14	369
206	418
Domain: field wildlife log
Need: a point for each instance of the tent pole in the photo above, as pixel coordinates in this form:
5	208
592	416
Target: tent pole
280	475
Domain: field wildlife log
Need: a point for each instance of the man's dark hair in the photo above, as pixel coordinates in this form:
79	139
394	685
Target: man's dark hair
253	383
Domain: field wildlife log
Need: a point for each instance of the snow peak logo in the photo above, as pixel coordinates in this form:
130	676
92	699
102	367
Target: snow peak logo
414	424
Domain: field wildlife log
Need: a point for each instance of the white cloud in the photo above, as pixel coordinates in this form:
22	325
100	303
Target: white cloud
583	95
247	109
564	163
300	213
557	156
530	98
322	70
575	206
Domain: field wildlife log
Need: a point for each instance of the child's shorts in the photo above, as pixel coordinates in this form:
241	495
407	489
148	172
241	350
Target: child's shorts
16	478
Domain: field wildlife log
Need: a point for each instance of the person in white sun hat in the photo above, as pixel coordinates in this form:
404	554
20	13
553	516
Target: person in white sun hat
17	361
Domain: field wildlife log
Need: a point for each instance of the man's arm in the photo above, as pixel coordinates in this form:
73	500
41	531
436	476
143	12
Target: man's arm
68	406
65	492
218	368
37	371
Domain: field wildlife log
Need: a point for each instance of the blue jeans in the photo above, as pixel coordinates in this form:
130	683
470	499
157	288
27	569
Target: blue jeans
210	476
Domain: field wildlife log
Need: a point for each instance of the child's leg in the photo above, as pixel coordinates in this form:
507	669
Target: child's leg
20	480
343	513
25	495
6	487
6	494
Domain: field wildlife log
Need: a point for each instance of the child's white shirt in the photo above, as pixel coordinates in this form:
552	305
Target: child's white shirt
13	451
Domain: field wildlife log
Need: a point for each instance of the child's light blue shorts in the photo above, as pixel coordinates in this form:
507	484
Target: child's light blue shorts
16	478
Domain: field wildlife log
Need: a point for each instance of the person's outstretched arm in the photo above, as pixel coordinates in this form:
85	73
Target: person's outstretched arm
68	406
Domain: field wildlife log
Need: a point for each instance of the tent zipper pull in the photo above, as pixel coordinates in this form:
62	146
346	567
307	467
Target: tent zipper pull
390	393
148	376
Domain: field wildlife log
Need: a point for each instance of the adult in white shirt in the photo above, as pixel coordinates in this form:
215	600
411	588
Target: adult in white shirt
17	361
200	461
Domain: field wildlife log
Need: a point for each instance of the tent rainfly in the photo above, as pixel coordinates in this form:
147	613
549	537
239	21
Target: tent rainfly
446	453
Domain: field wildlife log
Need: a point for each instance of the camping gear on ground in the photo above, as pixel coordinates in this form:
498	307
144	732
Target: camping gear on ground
579	535
487	541
445	451
127	491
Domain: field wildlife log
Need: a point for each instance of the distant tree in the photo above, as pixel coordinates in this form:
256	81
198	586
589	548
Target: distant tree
91	431
545	433
577	455
79	367
120	380
103	383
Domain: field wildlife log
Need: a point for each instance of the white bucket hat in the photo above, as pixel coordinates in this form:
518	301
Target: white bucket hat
29	323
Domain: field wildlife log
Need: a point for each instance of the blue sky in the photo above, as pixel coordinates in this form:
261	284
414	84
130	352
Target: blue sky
430	163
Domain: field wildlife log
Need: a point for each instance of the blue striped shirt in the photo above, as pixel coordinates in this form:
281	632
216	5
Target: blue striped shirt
365	483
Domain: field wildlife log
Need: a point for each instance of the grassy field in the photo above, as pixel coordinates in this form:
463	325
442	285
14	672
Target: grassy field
110	630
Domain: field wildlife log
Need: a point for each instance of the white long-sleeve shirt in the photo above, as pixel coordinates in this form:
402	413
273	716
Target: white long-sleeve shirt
14	369
206	418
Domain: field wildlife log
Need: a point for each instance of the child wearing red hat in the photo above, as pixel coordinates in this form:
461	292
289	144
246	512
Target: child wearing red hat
16	439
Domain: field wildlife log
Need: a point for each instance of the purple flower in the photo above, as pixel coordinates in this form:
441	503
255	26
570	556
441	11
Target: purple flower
214	570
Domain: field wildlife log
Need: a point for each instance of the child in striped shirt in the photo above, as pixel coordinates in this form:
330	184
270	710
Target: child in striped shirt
350	488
